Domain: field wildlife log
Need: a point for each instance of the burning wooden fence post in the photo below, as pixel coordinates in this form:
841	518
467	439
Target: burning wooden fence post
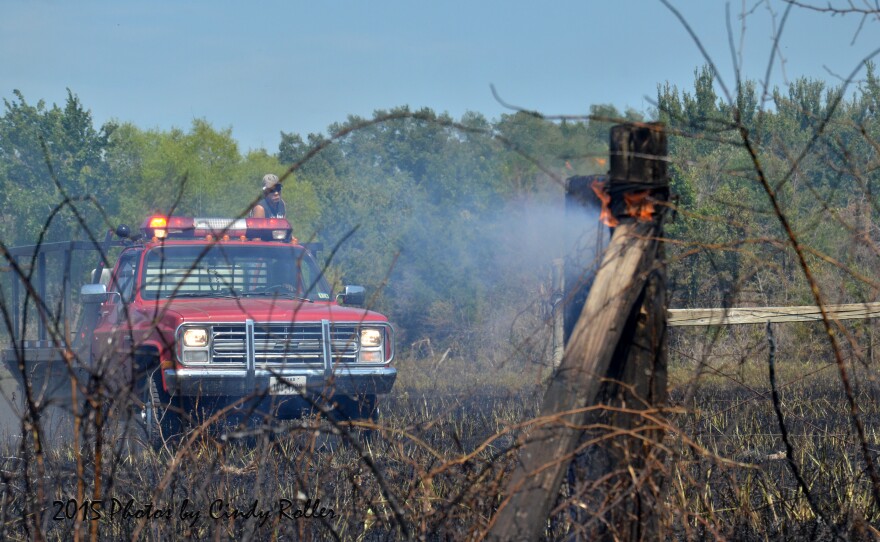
620	334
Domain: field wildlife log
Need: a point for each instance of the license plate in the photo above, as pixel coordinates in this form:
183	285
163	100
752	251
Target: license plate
289	385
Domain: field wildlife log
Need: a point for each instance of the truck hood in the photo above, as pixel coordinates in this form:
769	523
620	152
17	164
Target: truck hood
266	310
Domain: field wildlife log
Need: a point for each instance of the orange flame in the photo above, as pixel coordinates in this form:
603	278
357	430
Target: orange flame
605	217
639	206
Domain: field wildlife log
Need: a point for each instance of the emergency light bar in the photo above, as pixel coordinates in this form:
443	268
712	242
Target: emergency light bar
178	227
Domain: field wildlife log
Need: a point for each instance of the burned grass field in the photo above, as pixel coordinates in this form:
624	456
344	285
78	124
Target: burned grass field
741	485
432	465
434	468
737	478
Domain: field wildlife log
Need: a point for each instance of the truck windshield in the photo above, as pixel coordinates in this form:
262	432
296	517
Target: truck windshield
232	270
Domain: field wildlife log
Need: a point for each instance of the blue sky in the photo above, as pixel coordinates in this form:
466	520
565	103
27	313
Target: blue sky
269	66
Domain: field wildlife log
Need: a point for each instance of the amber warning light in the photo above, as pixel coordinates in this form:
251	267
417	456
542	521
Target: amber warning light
158	222
161	227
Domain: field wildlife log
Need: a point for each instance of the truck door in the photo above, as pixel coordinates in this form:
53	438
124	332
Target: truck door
112	333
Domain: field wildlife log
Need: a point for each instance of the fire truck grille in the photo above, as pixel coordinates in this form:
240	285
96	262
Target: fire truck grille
278	344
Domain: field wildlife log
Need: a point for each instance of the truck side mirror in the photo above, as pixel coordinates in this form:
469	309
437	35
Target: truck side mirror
352	295
93	293
105	276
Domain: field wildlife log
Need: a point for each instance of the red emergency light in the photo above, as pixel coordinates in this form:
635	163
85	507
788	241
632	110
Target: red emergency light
178	227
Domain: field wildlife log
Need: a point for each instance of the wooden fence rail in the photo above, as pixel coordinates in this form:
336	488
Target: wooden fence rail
762	315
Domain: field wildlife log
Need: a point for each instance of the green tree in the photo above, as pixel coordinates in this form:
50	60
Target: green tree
38	143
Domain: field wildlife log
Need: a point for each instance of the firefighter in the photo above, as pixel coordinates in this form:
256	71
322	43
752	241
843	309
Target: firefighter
271	205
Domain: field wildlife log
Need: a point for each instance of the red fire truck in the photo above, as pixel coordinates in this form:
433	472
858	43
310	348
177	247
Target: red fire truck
200	315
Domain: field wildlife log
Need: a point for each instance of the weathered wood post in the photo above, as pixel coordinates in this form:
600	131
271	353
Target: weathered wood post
620	332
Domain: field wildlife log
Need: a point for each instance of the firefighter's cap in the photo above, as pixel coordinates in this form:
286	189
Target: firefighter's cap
269	181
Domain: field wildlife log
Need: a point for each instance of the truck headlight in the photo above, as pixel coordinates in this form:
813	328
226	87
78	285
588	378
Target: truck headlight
371	337
372	348
195	337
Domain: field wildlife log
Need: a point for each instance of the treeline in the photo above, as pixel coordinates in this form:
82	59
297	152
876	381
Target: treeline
814	148
452	223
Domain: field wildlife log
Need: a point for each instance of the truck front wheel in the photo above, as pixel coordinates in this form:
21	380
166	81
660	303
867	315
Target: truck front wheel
159	421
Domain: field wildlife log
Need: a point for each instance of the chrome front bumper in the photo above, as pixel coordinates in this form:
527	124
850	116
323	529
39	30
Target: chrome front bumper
244	383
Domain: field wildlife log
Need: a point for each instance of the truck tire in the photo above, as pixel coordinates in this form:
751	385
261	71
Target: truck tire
160	422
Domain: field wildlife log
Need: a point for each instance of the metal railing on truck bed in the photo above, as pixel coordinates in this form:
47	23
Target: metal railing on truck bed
42	315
